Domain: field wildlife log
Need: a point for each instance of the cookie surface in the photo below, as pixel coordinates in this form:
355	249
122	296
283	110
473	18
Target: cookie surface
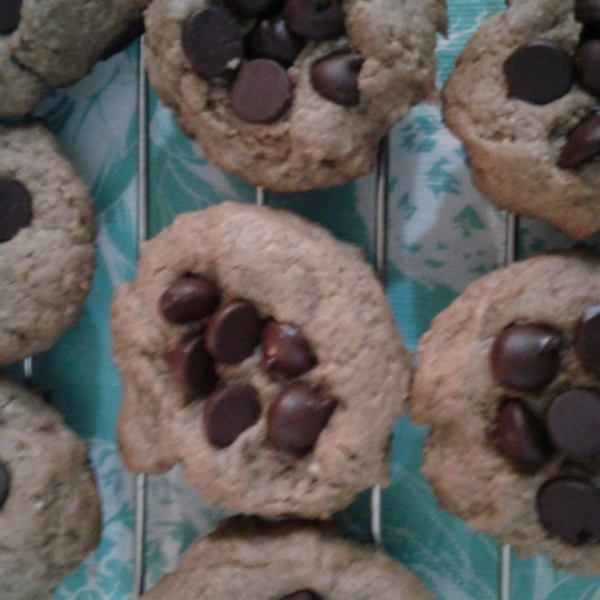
314	430
45	44
505	377
50	510
304	140
46	243
515	147
248	559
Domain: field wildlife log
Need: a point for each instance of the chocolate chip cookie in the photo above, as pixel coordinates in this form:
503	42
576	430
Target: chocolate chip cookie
49	505
524	100
292	94
46	242
261	352
247	559
46	44
509	380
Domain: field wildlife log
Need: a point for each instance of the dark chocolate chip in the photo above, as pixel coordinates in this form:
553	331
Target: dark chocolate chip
519	436
261	91
588	12
573	422
10	15
272	39
587	339
335	77
228	412
212	42
189	299
315	19
302	595
583	143
285	350
526	357
253	8
587	63
297	417
570	509
539	72
234	332
15	208
193	368
4	484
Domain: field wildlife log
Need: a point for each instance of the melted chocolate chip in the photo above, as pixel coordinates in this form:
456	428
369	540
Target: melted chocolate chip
212	42
335	77
10	15
573	422
228	412
315	19
302	595
189	299
233	332
583	143
297	417
4	484
526	357
272	39
587	63
570	509
261	92
285	350
253	8
15	208
587	339
588	12
539	72
193	368
519	436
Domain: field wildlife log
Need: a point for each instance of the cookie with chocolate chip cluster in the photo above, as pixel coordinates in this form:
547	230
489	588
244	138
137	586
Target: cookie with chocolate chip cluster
47	44
524	100
508	378
249	559
49	504
292	94
260	352
46	242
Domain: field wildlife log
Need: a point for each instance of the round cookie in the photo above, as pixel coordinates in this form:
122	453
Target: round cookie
525	156
508	378
49	505
247	559
45	44
274	128
46	242
262	353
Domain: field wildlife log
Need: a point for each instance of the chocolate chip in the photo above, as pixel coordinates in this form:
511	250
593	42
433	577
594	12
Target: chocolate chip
10	15
539	72
588	12
4	484
335	77
15	208
587	63
587	339
228	412
302	595
570	509
315	19
193	368
253	8
272	39
189	299
583	143
526	357
297	417
519	436
234	332
285	350
212	42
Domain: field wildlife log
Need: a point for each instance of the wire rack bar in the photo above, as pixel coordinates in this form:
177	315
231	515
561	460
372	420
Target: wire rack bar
260	196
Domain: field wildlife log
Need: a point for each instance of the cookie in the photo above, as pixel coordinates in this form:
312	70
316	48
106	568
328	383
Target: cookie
46	242
47	44
292	95
248	559
262	353
508	378
49	505
523	101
